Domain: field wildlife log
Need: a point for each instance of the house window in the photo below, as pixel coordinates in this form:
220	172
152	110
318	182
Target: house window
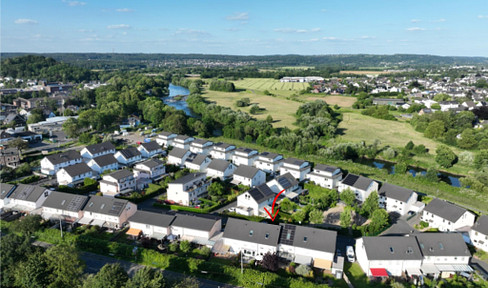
305	239
266	236
251	232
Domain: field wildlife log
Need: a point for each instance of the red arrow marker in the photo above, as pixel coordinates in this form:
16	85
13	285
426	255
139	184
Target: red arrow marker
272	207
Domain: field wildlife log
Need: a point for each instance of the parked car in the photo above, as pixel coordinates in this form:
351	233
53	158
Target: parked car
350	254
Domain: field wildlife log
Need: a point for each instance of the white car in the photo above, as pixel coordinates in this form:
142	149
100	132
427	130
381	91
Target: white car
350	254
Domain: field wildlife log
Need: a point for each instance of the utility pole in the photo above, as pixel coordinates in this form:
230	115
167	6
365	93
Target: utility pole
242	265
61	228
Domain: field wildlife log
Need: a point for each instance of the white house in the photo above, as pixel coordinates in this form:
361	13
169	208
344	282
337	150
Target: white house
325	176
269	162
52	163
199	229
182	142
201	146
165	139
361	186
152	169
389	255
222	151
244	156
27	197
150	149
178	156
285	182
103	163
249	176
187	189
118	182
5	191
128	156
150	224
479	233
254	201
74	174
65	206
446	216
307	245
298	168
447	105
197	162
96	150
107	211
253	239
396	199
220	169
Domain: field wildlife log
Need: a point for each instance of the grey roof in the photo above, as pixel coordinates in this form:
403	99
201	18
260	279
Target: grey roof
151	163
356	181
178	152
286	180
187	178
130	152
442	244
120	174
167	134
308	238
196	158
269	157
77	169
151	218
245	150
481	225
200	141
101	147
261	233
326	168
445	209
105	160
65	201
246	171
294	161
400	228
392	248
27	192
395	192
9	151
64	157
5	189
223	146
182	137
151	146
261	192
106	205
203	222
219	165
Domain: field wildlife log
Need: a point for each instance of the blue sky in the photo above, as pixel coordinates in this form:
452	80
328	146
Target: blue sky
457	28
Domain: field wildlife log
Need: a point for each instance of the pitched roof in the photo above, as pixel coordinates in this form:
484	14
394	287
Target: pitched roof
286	180
151	218
187	178
249	231
326	168
167	134
64	157
151	163
77	169
246	171
120	174
219	165
481	225
395	192
9	151
445	209
449	244
269	155
222	146
200	141
105	160
261	192
65	201
178	152
130	152
151	146
294	161
182	137
27	192
308	238
392	248
245	150
5	189
196	158
203	222
356	181
106	205
100	147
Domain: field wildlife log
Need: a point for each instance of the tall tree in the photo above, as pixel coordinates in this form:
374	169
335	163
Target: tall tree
370	204
270	262
33	272
346	217
110	276
64	265
316	216
146	278
347	196
444	156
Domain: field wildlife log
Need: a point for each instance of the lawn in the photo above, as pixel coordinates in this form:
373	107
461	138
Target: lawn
357	276
272	85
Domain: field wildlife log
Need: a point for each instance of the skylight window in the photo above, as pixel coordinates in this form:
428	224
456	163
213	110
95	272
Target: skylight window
251	232
441	246
266	236
305	239
288	236
62	203
392	250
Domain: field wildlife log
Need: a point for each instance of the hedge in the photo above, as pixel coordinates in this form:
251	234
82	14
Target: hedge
151	191
192	209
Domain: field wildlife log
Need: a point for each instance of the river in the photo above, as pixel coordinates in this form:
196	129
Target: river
178	104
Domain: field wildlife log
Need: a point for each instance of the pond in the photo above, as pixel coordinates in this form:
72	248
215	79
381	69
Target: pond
450	179
178	102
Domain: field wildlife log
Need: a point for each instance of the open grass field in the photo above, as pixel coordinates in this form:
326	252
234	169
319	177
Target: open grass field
341	101
364	72
272	85
282	110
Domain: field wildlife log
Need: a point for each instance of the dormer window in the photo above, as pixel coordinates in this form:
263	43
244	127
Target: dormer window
251	232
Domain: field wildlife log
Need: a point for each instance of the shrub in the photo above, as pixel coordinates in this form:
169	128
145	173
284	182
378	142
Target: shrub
423	224
304	270
173	247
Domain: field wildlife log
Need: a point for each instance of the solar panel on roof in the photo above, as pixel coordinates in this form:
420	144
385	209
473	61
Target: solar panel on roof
350	180
284	182
288	234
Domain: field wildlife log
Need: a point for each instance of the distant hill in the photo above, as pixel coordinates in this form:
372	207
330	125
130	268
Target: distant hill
353	61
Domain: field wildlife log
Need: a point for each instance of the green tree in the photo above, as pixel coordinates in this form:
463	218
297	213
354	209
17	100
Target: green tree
431	174
27	225
13	249
33	272
300	215
435	130
147	278
188	282
444	156
64	265
110	276
316	216
348	196
216	189
371	204
409	145
71	128
346	217
269	119
35	116
254	109
379	220
18	143
468	139
401	168
481	159
287	205
185	246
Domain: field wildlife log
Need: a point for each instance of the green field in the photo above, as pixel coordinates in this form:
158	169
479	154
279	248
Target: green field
272	85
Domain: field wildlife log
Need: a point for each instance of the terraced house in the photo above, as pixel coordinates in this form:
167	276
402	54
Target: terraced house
118	182
446	216
187	189
53	163
296	167
96	150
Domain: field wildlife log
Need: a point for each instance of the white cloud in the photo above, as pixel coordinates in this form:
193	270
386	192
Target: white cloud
291	30
483	16
439	20
415	29
124	10
368	37
415	20
25	21
118	26
238	16
330	38
75	3
190	32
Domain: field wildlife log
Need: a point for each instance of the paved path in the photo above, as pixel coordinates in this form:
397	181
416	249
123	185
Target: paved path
231	204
